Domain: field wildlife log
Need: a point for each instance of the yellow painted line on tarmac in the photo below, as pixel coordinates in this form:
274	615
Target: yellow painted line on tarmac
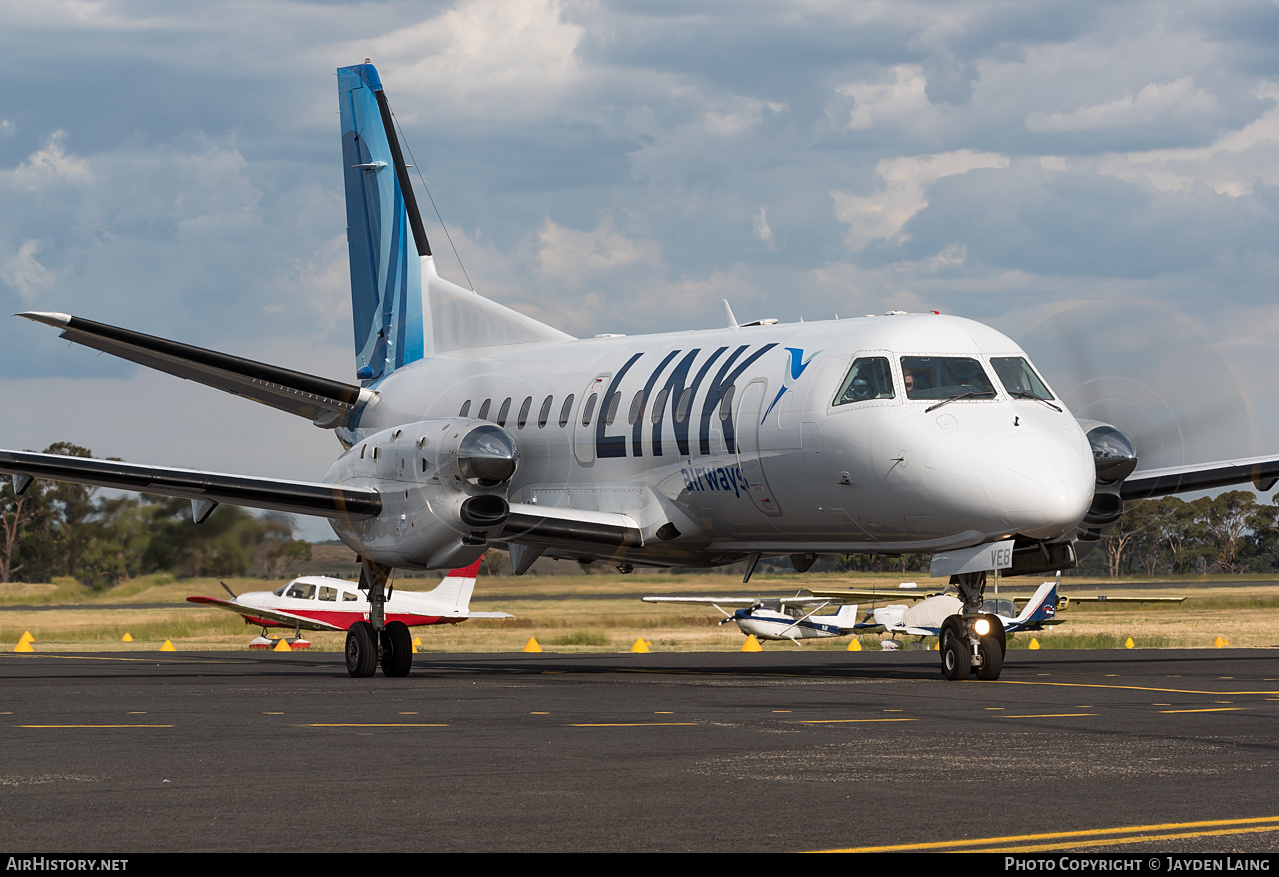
849	721
368	725
628	724
1050	716
93	726
1086	837
187	660
1213	709
1129	687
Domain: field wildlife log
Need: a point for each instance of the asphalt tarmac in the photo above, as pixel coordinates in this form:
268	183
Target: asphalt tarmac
783	750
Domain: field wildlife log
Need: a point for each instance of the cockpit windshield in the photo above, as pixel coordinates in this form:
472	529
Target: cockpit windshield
1018	378
945	377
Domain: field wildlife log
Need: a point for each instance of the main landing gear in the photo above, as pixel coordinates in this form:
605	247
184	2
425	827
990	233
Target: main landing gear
375	641
972	640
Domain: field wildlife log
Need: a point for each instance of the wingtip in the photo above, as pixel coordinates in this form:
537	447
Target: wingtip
49	318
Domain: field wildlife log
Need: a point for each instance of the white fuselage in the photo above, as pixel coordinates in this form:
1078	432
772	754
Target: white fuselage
780	468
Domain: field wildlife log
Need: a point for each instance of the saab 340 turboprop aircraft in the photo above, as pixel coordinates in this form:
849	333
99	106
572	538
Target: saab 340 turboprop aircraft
471	426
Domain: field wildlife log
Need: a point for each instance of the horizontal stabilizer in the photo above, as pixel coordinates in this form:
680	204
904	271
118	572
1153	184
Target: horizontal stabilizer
325	402
295	497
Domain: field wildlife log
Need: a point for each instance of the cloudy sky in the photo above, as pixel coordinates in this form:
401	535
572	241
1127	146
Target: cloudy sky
1096	179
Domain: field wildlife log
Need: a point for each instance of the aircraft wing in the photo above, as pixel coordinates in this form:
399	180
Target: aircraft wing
204	489
852	595
707	601
741	601
552	525
324	402
253	614
1262	472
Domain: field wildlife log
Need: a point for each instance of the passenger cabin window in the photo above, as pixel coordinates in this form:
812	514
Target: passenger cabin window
637	408
567	411
349	597
329	595
545	414
871	377
523	418
301	591
685	402
503	411
466	409
659	405
611	413
484	409
726	403
945	377
1018	378
588	410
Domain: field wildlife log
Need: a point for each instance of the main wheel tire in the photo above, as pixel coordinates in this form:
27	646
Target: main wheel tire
397	649
361	650
992	658
956	663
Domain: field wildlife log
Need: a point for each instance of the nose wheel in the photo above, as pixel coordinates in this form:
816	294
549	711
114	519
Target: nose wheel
973	640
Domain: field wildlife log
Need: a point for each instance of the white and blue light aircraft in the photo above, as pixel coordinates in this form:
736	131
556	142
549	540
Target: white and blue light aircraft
469	426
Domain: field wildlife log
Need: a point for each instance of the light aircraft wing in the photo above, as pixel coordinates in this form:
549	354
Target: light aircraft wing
1262	472
253	614
852	595
742	601
325	402
204	489
1125	598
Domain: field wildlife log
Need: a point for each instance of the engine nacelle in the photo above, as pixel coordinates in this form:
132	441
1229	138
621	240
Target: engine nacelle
443	485
1115	457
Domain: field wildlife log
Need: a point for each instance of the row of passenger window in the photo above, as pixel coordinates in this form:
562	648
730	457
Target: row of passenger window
635	414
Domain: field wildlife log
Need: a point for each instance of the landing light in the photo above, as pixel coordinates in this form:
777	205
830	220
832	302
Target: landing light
981	626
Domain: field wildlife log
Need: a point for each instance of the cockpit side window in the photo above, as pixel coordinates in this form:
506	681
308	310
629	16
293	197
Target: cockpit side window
869	378
1018	378
945	377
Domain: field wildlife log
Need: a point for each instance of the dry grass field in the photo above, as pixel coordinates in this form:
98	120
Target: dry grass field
583	613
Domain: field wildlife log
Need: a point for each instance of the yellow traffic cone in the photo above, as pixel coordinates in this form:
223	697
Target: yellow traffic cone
855	645
167	647
532	645
127	638
1129	644
640	647
23	646
1034	643
282	645
752	644
26	637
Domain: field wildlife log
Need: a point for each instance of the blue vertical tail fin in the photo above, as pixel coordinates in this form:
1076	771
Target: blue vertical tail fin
384	231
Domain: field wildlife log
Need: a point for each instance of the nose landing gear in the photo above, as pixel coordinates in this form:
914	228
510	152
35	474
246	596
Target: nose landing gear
972	640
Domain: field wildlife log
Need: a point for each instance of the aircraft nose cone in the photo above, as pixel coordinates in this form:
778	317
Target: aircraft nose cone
1041	485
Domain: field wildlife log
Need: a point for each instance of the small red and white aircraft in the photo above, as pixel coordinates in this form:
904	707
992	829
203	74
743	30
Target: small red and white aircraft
324	603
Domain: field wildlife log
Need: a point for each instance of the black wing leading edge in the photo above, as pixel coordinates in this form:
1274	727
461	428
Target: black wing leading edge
324	402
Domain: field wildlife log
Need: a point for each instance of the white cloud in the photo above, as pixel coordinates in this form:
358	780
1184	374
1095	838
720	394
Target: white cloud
501	55
1156	103
48	164
1231	165
24	274
763	233
883	214
903	98
574	256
